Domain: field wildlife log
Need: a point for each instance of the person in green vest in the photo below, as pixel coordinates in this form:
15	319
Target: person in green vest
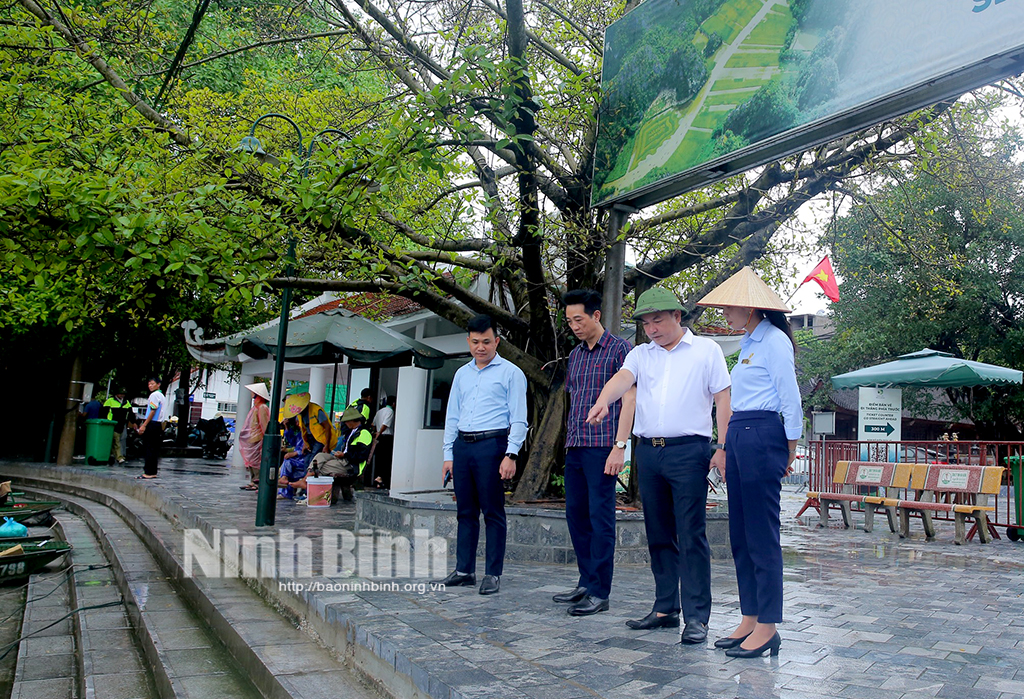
364	404
119	409
348	460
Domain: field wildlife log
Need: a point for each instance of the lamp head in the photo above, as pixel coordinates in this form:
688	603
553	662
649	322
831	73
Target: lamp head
251	144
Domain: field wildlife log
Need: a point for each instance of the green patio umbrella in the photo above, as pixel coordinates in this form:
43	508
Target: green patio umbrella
928	368
325	337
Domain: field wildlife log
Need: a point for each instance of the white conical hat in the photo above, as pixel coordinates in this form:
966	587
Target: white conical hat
746	290
260	389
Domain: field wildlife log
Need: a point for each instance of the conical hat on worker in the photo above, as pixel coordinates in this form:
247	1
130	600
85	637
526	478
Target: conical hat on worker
259	389
745	290
295	404
352	413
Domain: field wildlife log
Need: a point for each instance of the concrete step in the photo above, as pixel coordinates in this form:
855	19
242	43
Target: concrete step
186	660
109	661
46	659
275	658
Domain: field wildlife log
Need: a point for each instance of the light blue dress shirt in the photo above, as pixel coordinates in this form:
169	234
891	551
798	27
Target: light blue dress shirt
492	398
764	378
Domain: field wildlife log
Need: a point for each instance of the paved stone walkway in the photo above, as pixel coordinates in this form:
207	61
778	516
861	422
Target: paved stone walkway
867	615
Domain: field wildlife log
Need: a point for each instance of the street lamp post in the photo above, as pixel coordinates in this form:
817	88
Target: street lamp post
266	502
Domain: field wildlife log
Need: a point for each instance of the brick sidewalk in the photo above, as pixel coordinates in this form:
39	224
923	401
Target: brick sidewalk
867	615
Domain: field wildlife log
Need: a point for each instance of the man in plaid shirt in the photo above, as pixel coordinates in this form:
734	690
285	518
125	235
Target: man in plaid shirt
594	454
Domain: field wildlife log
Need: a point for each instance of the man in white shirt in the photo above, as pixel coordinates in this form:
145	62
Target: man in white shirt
152	429
384	433
677	376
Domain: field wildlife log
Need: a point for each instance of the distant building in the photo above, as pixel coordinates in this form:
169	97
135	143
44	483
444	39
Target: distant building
819	323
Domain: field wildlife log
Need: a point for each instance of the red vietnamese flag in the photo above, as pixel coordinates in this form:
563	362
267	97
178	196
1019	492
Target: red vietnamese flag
825	277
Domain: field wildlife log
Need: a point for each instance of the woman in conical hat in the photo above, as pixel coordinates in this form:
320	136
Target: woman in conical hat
760	445
250	436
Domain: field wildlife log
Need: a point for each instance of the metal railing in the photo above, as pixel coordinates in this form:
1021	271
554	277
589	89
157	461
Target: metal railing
823	455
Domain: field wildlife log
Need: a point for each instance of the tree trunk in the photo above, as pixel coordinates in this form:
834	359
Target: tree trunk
546	448
184	407
66	449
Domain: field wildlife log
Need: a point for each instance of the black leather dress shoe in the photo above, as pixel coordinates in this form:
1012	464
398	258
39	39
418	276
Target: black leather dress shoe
589	605
694	632
457	579
489	585
653	621
772	646
570	597
730	642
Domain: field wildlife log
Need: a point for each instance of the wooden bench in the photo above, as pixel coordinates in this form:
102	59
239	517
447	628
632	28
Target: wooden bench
864	474
952	481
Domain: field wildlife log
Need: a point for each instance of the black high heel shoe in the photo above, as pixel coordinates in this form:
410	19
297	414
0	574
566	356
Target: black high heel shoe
772	645
729	642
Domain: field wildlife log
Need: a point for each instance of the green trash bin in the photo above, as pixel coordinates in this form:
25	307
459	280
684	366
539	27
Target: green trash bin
1015	463
99	438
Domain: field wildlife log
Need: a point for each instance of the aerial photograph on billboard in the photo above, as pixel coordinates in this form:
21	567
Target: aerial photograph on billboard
686	82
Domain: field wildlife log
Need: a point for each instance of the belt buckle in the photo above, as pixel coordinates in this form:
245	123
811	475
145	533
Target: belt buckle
657	441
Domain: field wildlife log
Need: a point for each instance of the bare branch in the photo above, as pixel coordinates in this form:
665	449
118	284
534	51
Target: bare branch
447	258
465	245
594	44
498	174
553	53
685	212
250	47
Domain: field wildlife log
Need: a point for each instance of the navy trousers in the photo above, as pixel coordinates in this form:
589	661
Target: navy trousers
478	488
755	463
590	514
674	486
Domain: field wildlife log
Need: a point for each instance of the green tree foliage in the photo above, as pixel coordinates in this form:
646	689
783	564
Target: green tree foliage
933	257
110	235
474	123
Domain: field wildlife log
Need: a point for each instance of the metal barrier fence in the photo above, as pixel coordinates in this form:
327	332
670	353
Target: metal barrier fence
823	455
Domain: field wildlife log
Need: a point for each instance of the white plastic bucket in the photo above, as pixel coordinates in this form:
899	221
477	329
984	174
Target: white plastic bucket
318	491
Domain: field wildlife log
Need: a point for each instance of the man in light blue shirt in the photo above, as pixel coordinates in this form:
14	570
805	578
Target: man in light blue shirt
484	429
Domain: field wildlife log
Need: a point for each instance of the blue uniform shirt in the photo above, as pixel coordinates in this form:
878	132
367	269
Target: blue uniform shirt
492	398
764	378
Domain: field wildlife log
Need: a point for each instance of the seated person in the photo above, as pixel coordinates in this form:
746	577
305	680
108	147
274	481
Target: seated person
347	461
315	431
293	466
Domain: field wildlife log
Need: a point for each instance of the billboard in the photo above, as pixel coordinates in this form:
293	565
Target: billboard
697	90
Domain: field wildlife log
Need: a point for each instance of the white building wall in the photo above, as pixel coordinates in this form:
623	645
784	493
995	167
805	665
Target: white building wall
418	452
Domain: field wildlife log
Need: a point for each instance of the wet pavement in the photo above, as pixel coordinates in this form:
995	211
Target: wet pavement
867	615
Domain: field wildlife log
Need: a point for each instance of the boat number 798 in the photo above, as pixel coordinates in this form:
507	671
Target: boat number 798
12	568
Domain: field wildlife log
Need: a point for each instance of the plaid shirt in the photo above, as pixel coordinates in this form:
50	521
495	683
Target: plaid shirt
589	370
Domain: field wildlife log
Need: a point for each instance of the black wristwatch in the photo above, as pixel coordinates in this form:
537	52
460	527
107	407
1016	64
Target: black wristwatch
717	446
511	456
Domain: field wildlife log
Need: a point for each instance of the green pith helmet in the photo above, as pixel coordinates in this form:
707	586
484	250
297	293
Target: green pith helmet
351	413
654	300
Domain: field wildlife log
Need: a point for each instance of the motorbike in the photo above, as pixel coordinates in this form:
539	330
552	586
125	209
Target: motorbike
212	436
